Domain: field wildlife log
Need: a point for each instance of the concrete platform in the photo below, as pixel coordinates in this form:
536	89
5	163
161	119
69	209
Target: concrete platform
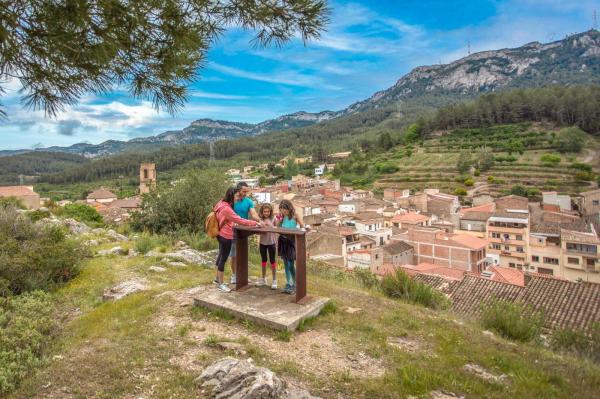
262	305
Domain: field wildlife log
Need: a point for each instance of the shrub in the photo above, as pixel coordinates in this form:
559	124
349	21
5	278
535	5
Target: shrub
550	159
505	158
584	176
145	243
366	278
36	215
386	167
34	257
401	285
184	206
469	182
578	342
584	167
464	162
477	172
490	179
11	202
26	325
513	320
570	139
82	213
460	191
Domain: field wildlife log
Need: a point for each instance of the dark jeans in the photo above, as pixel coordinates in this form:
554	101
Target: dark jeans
264	249
224	250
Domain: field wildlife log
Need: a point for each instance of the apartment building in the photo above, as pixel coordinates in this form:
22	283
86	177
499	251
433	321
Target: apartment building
590	202
579	255
460	251
508	233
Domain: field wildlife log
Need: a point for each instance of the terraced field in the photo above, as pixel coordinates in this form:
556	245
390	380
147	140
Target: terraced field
433	163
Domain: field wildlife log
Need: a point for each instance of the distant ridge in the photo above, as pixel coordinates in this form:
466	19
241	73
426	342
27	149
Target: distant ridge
573	60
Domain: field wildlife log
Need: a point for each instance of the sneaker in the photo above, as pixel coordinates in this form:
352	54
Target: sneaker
274	285
287	289
233	280
260	282
224	288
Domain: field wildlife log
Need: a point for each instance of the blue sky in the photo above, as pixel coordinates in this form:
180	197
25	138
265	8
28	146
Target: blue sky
368	46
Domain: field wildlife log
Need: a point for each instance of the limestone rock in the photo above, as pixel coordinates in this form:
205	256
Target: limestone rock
484	374
154	254
177	264
123	289
113	251
116	236
157	269
76	227
240	379
444	395
407	344
190	256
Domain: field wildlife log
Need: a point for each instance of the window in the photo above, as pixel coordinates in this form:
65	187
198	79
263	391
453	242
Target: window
506	236
376	256
551	261
535	258
495	246
573	261
506	248
520	249
145	173
511	265
595	202
591	249
519	237
495	235
542	270
591	262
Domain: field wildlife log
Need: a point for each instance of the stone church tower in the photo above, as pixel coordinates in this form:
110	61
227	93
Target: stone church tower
147	177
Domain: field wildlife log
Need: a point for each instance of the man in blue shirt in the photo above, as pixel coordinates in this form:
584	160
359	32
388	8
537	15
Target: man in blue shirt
245	209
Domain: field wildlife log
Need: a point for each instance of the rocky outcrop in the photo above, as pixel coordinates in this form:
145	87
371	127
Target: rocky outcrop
240	379
187	255
123	289
113	251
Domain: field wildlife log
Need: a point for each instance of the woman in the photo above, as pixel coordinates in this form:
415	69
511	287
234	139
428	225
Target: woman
226	218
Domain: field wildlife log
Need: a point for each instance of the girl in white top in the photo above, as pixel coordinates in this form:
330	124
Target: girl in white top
267	245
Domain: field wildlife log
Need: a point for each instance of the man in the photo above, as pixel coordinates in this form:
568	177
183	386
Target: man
244	207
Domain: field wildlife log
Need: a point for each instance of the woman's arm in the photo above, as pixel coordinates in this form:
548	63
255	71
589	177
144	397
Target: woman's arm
233	217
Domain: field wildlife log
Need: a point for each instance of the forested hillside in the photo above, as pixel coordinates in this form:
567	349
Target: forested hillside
33	164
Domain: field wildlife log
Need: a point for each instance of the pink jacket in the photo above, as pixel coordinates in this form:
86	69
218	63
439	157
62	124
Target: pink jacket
227	217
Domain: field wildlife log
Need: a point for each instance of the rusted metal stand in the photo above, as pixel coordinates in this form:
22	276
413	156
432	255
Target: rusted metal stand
241	261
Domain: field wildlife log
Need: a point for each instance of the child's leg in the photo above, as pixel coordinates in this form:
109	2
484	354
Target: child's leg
263	257
288	273
292	272
271	250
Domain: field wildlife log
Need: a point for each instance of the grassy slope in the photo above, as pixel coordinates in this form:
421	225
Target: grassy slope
150	345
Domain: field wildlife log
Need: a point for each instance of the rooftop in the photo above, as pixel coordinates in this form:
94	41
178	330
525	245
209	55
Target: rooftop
16	191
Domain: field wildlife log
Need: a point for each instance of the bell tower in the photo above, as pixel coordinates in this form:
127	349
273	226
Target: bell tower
147	177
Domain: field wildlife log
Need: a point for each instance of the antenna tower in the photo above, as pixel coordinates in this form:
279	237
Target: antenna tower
469	47
21	180
212	152
595	18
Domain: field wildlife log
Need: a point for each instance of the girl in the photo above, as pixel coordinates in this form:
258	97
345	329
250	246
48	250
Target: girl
226	218
267	245
286	245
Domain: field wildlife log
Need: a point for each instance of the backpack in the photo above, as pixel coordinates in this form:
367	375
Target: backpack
211	225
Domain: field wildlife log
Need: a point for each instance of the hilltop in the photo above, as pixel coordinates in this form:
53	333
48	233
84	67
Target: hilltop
573	60
153	343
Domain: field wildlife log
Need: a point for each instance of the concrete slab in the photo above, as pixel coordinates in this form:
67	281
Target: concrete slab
262	305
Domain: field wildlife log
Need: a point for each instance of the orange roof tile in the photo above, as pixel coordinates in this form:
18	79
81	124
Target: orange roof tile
469	241
489	207
508	275
437	270
16	191
410	217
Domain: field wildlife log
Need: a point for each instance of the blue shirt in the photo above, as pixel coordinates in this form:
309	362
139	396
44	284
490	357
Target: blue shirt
242	208
288	223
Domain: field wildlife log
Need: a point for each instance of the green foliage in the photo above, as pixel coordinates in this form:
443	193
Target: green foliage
519	189
584	176
154	49
386	167
37	214
11	202
513	320
585	344
571	139
461	192
469	182
36	163
33	257
485	159
550	159
26	325
464	162
584	167
477	172
146	243
490	179
366	278
291	167
401	285
81	212
505	158
182	207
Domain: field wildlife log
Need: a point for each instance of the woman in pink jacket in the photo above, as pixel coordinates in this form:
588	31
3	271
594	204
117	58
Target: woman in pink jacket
226	218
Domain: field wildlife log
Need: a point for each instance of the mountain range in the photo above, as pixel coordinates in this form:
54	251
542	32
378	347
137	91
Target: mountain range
572	60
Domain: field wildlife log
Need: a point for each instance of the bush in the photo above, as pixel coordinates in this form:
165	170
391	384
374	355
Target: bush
26	325
570	139
584	167
505	158
578	342
33	257
550	159
460	191
386	167
82	213
401	285
490	179
145	243
11	202
36	215
477	173
366	278
513	320
185	206
469	182
584	176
